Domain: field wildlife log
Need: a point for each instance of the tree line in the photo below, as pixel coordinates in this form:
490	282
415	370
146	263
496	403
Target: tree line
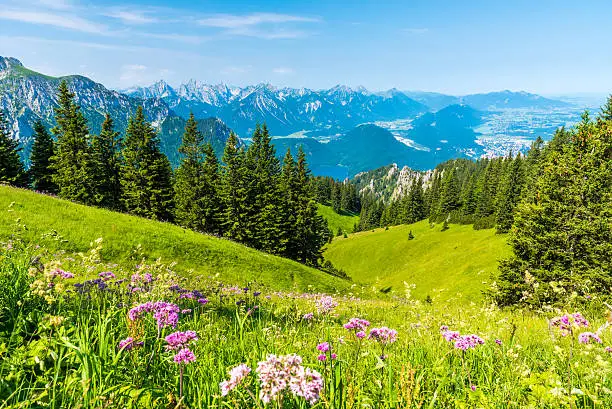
483	192
341	196
250	196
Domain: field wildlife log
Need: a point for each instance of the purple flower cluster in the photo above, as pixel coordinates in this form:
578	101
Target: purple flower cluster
129	343
588	337
61	273
107	275
237	374
184	356
383	335
567	322
462	342
166	314
279	374
326	304
308	316
179	340
359	326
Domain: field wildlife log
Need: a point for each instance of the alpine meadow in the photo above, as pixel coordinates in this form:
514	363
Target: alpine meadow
178	243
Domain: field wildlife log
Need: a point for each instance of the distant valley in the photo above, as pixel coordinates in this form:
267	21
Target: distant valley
343	130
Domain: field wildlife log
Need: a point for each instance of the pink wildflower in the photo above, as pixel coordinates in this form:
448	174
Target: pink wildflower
587	337
325	305
129	343
184	356
179	340
383	335
323	347
237	374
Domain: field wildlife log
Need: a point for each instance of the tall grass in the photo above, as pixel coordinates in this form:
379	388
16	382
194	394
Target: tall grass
59	345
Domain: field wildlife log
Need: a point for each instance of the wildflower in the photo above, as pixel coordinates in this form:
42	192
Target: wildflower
61	273
322	357
179	340
566	323
608	349
282	373
184	356
107	275
129	343
308	384
203	301
323	347
333	356
383	335
473	388
498	341
308	316
256	294
237	374
451	335
166	314
586	337
444	328
325	305
360	334
357	324
468	341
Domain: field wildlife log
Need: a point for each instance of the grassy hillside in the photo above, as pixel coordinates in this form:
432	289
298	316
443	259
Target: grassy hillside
196	254
458	260
344	221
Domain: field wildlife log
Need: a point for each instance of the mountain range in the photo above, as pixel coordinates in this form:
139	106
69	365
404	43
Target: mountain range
337	127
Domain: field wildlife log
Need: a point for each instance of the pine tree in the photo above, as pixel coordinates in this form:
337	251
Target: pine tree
336	198
562	236
11	167
106	153
41	174
234	190
416	201
267	204
72	162
510	193
311	228
290	204
189	181
146	176
449	196
211	202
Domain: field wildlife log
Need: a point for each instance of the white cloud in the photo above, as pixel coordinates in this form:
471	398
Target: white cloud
70	22
134	74
232	70
191	39
132	17
56	4
232	21
415	30
283	70
252	25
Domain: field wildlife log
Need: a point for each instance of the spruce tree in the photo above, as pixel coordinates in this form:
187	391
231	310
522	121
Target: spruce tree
290	206
11	167
312	230
72	162
106	153
146	175
266	204
562	240
510	193
189	181
449	196
40	172
416	201
211	202
234	190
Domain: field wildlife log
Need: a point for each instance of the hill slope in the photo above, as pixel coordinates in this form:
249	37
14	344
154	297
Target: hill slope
346	221
458	260
197	255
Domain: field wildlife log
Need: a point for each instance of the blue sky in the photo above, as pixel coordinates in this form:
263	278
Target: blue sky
548	47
